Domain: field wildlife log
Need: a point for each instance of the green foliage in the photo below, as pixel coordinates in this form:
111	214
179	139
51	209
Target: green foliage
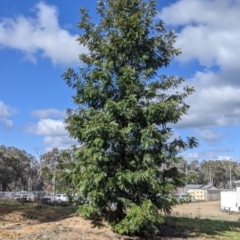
88	211
140	219
124	108
16	167
205	228
56	165
218	171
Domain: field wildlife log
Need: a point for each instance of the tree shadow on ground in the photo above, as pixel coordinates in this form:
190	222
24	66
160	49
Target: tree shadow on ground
173	228
185	228
195	227
97	223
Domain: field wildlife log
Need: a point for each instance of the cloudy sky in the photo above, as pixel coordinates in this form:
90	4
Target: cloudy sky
38	42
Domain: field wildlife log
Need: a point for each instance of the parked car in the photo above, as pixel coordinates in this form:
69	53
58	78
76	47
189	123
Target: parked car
183	198
46	200
61	198
16	197
31	197
23	198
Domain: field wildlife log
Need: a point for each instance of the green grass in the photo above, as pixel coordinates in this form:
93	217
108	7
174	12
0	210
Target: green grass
36	209
205	228
15	205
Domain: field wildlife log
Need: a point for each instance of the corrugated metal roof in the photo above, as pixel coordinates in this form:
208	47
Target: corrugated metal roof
206	186
198	186
193	186
214	191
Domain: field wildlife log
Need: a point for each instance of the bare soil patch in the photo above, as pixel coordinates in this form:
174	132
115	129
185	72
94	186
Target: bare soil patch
33	222
45	222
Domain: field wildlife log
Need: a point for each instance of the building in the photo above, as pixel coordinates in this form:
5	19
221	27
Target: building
199	192
230	200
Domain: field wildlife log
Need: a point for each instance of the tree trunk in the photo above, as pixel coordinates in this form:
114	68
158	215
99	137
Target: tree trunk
4	186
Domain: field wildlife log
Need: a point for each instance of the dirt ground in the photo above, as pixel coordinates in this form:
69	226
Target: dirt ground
210	210
59	223
44	222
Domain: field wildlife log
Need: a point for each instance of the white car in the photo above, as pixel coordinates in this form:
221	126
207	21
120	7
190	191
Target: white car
61	198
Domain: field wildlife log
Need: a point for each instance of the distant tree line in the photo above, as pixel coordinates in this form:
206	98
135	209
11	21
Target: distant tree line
16	168
56	171
21	171
216	172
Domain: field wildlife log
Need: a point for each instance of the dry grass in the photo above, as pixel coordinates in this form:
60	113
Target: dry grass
48	222
204	220
204	210
188	221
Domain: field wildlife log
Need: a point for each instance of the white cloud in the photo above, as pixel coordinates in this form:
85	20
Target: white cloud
213	104
190	11
46	113
191	156
210	31
62	142
5	113
224	158
53	132
209	47
210	135
208	154
41	34
47	127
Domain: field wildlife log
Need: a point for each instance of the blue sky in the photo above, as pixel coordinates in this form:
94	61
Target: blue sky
38	42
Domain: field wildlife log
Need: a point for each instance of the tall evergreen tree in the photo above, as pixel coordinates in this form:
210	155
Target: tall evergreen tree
124	107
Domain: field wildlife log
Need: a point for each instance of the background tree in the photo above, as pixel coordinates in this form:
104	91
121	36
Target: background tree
64	168
190	170
16	169
193	172
39	180
56	165
217	172
124	108
49	163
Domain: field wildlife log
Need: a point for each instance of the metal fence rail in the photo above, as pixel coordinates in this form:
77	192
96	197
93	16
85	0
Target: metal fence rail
14	194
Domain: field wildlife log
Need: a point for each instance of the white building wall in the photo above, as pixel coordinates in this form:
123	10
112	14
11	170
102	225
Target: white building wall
229	201
238	197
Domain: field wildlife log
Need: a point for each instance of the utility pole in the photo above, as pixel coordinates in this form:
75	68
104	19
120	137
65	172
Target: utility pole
230	171
230	174
186	174
54	181
210	175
